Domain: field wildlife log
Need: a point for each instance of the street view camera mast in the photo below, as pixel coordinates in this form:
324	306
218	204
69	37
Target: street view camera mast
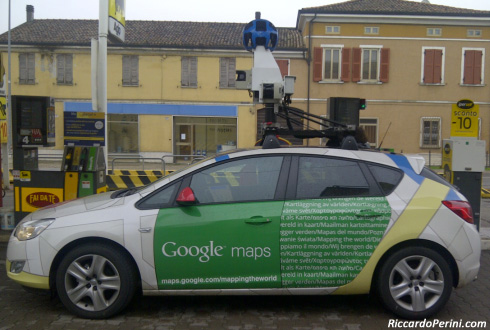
269	88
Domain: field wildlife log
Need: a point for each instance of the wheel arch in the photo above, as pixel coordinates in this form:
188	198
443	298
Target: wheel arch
423	243
88	240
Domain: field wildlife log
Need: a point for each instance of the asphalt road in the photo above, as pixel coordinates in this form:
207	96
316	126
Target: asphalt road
20	309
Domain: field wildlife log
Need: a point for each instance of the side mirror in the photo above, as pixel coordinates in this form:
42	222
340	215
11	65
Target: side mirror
186	197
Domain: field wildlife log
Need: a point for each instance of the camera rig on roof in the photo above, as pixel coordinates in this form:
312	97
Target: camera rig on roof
268	87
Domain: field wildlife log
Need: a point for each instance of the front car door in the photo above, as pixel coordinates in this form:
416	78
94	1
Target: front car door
230	238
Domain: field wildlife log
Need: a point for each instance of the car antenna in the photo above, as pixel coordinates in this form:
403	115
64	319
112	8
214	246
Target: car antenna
384	136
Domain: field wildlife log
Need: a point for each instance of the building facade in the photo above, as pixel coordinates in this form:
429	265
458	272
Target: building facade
171	85
412	61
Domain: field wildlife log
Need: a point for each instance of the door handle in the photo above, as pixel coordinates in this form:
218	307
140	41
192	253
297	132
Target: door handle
368	214
258	220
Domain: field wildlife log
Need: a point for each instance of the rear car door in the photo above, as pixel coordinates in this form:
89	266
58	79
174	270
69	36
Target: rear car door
334	216
229	239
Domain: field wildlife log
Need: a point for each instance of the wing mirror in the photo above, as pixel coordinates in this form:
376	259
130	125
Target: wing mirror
186	197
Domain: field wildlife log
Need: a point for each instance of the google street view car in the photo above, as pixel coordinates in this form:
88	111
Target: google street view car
293	221
270	221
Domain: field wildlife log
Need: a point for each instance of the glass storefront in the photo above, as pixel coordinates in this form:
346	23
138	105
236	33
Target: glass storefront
123	133
204	136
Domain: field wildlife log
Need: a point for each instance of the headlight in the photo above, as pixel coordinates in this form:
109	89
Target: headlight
29	229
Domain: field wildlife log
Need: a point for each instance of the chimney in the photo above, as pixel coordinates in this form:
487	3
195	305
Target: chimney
30	13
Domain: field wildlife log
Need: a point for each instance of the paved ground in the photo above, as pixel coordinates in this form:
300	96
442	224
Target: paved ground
23	310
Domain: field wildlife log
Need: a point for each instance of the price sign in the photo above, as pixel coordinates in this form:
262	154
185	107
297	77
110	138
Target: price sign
464	119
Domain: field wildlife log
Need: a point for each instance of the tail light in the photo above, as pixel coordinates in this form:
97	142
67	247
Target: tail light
461	208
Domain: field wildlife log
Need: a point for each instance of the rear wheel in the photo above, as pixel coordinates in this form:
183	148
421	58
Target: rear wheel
95	281
415	282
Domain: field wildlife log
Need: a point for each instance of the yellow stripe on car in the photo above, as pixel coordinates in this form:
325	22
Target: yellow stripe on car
409	226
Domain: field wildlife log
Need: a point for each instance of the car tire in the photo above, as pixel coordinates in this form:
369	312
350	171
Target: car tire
95	281
415	282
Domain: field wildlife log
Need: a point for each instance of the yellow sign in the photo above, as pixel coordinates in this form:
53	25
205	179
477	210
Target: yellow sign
117	19
447	161
25	176
3	107
464	119
3	131
33	199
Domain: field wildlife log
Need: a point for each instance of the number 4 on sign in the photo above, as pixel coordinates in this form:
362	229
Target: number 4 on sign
25	140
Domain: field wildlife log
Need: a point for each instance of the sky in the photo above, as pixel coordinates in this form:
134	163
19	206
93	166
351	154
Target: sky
281	13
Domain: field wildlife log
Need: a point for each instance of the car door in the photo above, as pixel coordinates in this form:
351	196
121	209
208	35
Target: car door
229	237
333	218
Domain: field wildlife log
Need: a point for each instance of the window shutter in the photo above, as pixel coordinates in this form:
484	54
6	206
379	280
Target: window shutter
356	64
283	67
472	67
437	66
223	73
69	69
193	72
231	72
60	68
469	58
384	65
31	78
477	79
345	64
317	63
134	70
22	68
126	78
185	71
429	66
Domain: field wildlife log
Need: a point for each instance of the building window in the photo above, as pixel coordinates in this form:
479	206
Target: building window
434	32
473	33
370	127
130	70
202	136
123	133
189	71
370	64
227	72
332	29
472	66
64	69
331	63
430	132
27	69
371	30
433	65
283	67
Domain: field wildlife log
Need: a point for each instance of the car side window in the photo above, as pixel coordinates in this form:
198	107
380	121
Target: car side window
388	178
159	199
250	179
320	177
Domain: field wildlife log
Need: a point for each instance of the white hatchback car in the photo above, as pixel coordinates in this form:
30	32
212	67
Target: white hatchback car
289	221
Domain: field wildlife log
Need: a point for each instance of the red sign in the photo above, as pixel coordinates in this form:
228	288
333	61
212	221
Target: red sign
41	199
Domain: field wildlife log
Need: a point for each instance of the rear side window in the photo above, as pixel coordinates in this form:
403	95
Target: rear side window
327	177
429	174
387	178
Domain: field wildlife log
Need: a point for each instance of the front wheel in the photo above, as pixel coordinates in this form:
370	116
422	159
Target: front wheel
415	282
95	281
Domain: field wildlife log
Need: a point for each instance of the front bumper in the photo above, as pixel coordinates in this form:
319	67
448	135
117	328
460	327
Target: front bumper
29	280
